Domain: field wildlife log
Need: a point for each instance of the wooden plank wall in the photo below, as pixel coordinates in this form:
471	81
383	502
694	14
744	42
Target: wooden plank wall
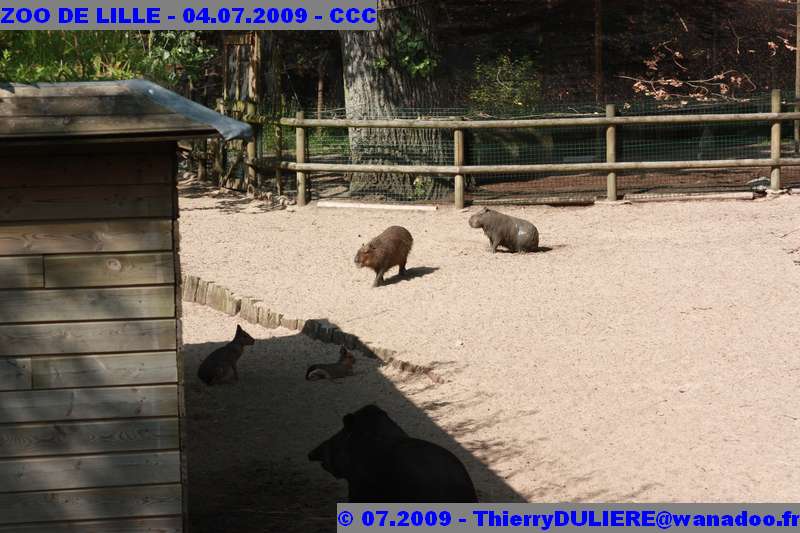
89	383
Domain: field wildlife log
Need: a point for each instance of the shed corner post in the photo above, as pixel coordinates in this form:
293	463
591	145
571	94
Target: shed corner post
300	150
611	154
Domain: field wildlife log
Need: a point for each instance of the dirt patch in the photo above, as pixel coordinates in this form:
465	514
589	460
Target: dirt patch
247	444
649	356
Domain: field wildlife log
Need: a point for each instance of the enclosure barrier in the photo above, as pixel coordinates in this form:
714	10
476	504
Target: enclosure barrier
611	166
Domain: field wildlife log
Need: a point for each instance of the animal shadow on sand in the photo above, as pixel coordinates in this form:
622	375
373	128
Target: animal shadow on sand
247	444
539	250
411	273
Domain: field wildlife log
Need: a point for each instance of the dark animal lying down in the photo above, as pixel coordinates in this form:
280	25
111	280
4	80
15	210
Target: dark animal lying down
382	464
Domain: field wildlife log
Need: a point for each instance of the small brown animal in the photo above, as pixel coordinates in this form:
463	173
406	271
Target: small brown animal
220	366
385	251
342	368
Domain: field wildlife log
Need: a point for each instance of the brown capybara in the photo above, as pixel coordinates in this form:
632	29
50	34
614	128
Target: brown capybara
220	366
387	250
513	233
340	369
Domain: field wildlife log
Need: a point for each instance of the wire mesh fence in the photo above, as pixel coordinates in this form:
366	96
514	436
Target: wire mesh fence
656	142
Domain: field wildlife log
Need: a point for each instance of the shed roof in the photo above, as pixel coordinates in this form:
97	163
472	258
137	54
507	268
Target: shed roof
107	109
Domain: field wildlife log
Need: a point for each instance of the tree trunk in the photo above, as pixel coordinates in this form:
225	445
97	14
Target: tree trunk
321	64
598	52
277	100
378	85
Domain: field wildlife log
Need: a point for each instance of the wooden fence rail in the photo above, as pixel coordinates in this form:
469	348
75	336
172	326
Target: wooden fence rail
448	124
611	166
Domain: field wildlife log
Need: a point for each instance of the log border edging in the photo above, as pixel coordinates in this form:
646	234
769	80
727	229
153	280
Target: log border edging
211	294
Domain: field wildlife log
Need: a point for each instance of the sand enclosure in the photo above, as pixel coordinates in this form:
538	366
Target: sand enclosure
651	355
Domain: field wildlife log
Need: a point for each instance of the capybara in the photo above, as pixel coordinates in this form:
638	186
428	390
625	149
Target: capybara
382	464
387	250
220	366
342	368
513	233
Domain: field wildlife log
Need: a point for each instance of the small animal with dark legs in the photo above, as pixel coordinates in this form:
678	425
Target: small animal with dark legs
220	366
387	250
513	233
340	369
382	464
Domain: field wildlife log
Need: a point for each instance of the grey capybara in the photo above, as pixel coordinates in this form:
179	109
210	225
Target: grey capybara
220	366
513	233
382	464
387	250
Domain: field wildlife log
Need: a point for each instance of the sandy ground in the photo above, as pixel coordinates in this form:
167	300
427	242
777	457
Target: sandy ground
248	443
651	355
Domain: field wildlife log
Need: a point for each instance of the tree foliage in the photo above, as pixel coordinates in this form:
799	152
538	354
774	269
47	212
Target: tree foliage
172	58
504	84
414	51
411	49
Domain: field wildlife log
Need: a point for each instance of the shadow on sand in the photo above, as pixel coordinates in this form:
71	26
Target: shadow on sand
411	273
247	443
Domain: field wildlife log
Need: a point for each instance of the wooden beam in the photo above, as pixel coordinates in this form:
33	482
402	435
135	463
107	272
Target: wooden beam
580	199
21	272
683	197
87	404
135	525
78	147
300	156
86	471
87	337
105	140
63	126
60	305
102	370
82	237
42	106
538	122
458	161
86	504
611	155
107	270
66	203
529	169
76	170
15	373
390	207
63	438
106	88
775	142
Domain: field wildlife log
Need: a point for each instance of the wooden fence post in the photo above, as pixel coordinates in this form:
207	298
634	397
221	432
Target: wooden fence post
458	160
252	175
775	143
611	155
202	170
279	152
300	150
219	151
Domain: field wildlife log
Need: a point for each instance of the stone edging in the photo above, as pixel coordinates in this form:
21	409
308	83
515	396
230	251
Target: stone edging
253	310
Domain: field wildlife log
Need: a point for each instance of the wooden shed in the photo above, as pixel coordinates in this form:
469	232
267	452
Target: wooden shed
90	365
